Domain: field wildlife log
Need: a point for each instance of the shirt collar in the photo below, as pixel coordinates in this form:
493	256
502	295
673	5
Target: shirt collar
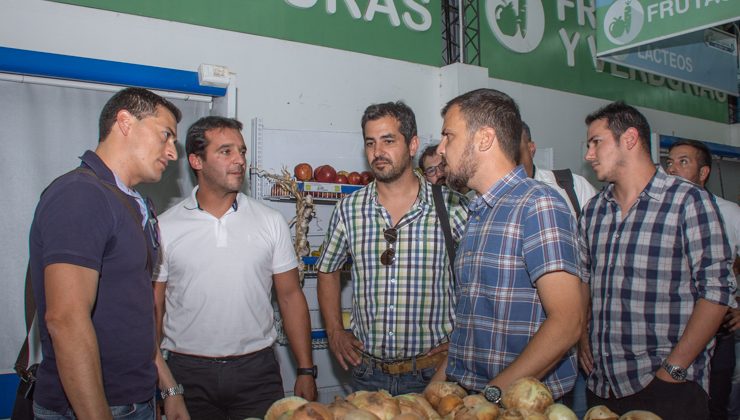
105	174
655	188
424	196
193	204
499	189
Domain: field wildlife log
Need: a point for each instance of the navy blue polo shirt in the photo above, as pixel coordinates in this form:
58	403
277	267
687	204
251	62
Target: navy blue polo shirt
79	221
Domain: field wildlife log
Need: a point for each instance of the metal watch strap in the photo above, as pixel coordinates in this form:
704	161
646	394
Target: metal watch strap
677	372
171	392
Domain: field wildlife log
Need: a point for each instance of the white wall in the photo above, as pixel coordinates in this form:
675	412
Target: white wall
297	86
292	85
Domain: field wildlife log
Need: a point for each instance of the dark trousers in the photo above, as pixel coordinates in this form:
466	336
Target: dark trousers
218	389
720	378
685	400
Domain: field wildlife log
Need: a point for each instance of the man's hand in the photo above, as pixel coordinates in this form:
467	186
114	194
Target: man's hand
440	348
585	357
346	348
305	387
174	408
732	320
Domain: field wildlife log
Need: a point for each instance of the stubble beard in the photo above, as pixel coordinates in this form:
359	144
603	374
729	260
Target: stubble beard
458	179
393	173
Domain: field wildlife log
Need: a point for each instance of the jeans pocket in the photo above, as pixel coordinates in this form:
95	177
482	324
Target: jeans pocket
42	413
362	371
425	375
123	411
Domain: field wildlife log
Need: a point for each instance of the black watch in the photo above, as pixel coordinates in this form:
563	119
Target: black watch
313	371
492	393
677	372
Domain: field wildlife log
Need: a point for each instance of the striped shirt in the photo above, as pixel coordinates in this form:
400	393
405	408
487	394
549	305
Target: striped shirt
647	268
518	231
406	308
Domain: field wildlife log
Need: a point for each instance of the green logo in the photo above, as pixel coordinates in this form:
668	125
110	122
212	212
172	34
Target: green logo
517	24
623	21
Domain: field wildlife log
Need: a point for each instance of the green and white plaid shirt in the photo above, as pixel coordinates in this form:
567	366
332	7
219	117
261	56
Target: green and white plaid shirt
408	307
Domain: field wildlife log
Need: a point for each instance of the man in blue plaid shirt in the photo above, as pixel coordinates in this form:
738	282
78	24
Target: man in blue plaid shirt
520	308
659	265
403	290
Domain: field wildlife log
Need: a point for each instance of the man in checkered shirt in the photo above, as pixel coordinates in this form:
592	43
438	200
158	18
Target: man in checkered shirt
659	271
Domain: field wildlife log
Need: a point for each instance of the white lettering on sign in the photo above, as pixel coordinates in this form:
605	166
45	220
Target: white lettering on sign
583	11
670	8
570	45
656	80
667	58
424	15
417	17
388	8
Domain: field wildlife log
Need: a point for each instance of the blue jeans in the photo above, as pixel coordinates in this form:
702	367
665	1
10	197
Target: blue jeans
139	411
368	377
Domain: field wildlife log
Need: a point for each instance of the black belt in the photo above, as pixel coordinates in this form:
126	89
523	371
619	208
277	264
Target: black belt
221	359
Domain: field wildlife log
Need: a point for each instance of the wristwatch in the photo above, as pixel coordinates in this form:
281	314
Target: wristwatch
677	372
313	371
171	392
492	393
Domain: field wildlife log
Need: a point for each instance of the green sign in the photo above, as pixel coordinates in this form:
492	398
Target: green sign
623	24
552	43
402	29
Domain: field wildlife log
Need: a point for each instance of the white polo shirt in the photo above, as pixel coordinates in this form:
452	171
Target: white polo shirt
219	276
730	213
583	189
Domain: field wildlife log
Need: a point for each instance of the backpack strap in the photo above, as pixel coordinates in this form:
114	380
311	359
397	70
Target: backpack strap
564	178
441	209
25	372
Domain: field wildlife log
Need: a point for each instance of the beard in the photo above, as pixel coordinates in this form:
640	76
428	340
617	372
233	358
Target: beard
458	179
392	171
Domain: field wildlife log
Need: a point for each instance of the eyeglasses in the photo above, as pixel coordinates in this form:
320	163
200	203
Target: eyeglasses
153	224
389	255
433	170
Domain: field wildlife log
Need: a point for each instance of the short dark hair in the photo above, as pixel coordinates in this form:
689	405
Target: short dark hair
139	102
619	117
428	152
702	151
398	110
196	141
526	132
495	109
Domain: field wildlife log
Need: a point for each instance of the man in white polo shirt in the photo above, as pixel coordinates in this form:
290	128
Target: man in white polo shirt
223	253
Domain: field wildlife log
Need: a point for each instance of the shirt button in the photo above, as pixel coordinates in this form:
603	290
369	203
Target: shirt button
477	218
390	333
393	280
616	236
391	307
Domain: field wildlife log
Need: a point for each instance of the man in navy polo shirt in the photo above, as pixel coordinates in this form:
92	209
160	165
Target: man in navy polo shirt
92	246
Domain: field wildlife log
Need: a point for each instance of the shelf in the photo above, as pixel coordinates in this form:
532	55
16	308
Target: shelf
320	191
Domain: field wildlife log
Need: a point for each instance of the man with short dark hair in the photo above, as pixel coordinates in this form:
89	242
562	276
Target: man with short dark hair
659	272
520	306
223	255
403	290
432	165
93	245
691	159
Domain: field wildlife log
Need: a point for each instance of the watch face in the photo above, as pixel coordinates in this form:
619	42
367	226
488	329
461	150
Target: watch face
492	393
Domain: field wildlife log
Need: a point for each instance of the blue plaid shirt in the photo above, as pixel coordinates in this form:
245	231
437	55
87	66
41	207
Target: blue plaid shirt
647	269
518	231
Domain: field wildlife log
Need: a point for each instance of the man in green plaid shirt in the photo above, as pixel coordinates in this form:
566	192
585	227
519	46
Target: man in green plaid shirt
403	291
